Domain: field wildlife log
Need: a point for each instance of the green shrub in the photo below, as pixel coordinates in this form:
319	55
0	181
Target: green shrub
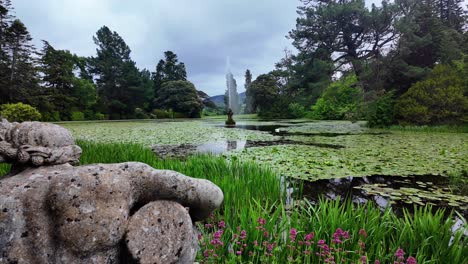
380	113
161	114
77	116
296	110
340	100
181	115
53	116
140	113
100	116
440	99
19	112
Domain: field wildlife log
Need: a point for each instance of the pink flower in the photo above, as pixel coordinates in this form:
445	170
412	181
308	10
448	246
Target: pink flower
255	243
239	252
265	234
400	254
243	234
222	224
292	234
363	233
411	260
377	261
364	259
309	236
270	247
321	242
218	234
261	221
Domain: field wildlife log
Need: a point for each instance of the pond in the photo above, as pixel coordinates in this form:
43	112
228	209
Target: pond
330	156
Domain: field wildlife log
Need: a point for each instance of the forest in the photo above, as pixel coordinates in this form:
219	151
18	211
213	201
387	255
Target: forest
401	62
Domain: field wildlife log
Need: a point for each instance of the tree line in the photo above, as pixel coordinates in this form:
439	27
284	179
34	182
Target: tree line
65	86
400	62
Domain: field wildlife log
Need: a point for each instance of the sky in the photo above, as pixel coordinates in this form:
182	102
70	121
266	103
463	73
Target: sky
203	33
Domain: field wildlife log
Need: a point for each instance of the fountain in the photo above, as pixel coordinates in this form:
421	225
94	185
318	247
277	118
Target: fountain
232	95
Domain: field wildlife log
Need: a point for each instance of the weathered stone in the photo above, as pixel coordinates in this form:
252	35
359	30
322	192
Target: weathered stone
170	223
36	144
66	214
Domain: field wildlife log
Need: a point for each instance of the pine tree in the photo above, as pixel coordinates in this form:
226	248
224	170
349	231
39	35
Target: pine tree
20	76
168	69
249	100
452	14
347	29
117	78
5	21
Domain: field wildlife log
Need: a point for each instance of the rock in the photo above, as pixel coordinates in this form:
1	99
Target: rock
171	224
66	214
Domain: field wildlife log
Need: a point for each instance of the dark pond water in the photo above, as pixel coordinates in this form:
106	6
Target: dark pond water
265	128
394	191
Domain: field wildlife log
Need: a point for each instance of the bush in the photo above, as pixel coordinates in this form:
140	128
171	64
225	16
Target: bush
19	112
296	110
161	114
77	116
181	97
53	116
380	113
100	116
140	113
440	99
339	100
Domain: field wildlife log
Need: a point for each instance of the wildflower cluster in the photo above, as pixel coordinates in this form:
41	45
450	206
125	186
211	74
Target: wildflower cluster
259	243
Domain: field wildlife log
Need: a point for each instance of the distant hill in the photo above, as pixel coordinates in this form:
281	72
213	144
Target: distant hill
219	99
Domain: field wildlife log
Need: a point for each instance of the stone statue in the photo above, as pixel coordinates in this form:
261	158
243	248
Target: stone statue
230	121
35	143
102	213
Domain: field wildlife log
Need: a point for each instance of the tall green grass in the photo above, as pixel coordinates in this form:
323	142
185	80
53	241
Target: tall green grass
240	182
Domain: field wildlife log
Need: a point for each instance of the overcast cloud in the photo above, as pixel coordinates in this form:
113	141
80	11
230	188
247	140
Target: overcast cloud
203	33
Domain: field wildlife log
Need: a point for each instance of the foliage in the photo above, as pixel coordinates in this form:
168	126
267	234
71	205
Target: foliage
249	100
181	97
18	75
269	96
140	114
296	110
440	99
347	28
339	100
121	86
380	113
19	112
77	116
169	69
161	114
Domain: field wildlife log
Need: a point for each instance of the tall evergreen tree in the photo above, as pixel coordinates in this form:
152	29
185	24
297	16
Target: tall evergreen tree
249	100
347	29
168	69
452	14
117	78
19	77
6	19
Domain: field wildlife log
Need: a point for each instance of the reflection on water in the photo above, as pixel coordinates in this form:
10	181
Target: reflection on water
265	128
221	147
394	191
